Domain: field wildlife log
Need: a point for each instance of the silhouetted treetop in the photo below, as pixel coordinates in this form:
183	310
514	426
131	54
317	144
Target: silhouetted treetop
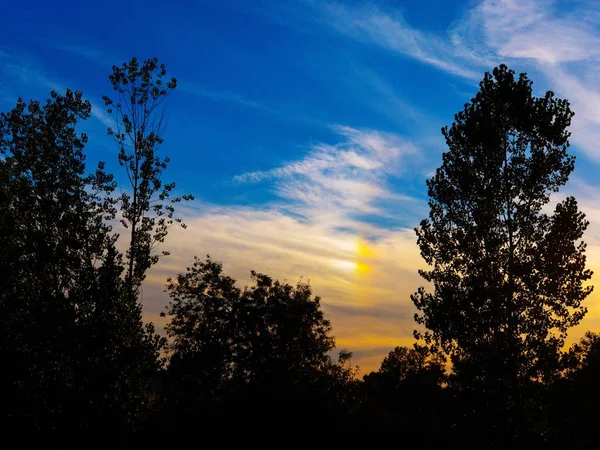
258	331
147	207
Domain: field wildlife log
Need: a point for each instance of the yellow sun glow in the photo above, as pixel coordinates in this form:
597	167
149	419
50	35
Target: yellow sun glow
362	253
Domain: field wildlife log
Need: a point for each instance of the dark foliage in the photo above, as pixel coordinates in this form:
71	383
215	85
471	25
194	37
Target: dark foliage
508	278
255	354
147	208
406	395
73	350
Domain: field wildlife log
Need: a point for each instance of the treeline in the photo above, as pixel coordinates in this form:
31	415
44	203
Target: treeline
488	369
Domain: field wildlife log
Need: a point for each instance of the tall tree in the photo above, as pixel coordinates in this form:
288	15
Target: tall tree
508	278
147	209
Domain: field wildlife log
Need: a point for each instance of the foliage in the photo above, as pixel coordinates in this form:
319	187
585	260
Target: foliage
509	279
268	341
405	394
573	412
74	350
147	210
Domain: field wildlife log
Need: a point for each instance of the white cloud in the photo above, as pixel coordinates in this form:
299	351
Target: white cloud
335	182
364	272
390	30
538	30
561	41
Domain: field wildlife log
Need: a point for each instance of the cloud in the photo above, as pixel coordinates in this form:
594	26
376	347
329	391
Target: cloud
366	294
382	97
538	30
225	96
91	54
335	182
29	73
364	272
391	31
559	40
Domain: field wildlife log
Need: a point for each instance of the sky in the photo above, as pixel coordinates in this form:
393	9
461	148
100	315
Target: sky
306	129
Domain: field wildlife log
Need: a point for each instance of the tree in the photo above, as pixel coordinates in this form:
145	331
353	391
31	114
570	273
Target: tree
148	209
508	279
54	230
405	394
252	354
74	351
403	363
577	391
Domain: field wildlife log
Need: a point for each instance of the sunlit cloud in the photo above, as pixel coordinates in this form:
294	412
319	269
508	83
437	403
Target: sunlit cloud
365	273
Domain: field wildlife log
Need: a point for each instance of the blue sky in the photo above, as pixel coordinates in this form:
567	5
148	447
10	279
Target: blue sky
306	129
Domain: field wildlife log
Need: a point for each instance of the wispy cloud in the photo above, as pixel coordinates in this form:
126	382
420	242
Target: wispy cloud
391	31
92	54
560	40
364	271
381	95
544	31
29	73
335	182
226	96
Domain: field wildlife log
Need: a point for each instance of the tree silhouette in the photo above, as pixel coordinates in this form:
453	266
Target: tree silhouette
508	278
577	391
148	209
260	353
75	354
53	229
405	395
